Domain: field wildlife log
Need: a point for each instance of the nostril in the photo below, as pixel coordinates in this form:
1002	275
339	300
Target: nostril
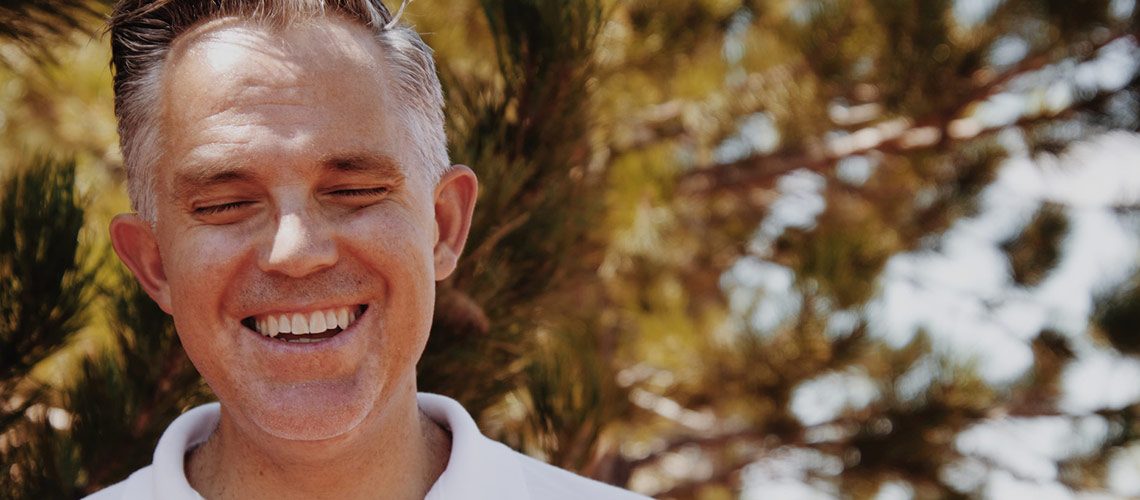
300	245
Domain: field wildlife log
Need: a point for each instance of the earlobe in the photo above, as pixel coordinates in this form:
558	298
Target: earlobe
454	204
134	242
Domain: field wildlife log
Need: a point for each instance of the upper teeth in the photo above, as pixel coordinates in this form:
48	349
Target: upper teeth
305	323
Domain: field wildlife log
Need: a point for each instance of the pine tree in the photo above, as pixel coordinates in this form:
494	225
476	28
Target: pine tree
631	156
46	284
491	344
890	83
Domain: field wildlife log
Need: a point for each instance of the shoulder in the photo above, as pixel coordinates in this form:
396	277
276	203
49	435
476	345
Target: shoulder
481	468
130	488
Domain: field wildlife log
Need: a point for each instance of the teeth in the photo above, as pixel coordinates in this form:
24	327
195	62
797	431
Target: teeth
300	324
317	322
305	323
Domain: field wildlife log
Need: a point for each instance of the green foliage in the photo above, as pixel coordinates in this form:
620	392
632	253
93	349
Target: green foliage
588	322
1073	18
524	132
45	279
29	23
843	255
896	85
1119	318
45	284
1034	252
566	419
40	463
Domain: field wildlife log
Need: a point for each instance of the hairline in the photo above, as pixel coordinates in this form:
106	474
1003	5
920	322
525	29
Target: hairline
147	143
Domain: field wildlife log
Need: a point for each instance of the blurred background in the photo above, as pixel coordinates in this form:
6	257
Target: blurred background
723	248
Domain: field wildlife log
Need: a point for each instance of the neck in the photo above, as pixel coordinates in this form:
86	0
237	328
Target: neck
398	452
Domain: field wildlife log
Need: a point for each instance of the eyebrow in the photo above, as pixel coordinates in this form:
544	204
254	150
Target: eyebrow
206	176
211	174
374	164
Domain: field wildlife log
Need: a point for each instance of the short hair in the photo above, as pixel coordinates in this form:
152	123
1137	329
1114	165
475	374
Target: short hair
142	32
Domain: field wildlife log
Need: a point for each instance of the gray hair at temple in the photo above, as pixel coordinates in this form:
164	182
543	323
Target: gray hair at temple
142	32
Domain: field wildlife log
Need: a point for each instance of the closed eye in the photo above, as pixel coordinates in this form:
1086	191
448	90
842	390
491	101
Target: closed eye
220	208
376	191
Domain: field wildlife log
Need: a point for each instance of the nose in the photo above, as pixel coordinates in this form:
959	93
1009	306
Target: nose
301	245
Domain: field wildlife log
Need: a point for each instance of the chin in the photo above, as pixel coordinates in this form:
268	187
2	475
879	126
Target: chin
312	411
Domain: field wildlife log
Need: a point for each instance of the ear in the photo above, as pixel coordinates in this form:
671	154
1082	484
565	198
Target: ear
134	242
454	203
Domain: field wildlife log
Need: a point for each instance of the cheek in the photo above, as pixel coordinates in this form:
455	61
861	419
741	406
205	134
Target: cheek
398	248
199	262
205	264
402	237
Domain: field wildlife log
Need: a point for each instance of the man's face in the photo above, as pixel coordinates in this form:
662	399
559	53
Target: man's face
285	191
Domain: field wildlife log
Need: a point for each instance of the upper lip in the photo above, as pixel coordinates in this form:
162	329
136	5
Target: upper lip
299	308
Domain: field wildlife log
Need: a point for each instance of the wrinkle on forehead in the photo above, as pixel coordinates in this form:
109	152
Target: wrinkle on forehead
220	41
251	52
242	93
237	65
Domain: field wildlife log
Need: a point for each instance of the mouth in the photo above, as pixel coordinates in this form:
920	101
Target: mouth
305	327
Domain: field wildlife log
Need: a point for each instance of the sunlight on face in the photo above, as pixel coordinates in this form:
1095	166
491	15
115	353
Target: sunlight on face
284	199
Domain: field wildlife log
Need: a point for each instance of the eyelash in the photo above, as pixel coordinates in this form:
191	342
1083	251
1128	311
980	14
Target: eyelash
225	207
361	192
217	209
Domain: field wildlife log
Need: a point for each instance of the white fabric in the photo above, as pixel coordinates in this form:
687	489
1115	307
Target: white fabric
479	468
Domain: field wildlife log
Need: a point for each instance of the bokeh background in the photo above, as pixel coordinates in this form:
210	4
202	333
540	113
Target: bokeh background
723	249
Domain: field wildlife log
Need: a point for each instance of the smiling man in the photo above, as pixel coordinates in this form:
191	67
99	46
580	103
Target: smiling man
294	208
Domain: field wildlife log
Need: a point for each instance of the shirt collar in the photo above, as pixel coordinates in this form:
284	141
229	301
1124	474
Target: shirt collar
187	431
477	467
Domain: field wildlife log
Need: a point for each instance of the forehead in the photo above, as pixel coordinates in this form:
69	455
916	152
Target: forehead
316	46
234	88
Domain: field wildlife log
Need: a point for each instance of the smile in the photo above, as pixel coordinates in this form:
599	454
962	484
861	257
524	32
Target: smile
305	327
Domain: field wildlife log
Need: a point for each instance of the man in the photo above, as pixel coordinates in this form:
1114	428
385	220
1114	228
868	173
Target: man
294	208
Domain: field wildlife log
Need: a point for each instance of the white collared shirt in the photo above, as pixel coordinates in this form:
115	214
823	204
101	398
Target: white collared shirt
479	468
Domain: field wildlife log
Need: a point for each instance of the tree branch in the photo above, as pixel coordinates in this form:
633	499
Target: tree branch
894	136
